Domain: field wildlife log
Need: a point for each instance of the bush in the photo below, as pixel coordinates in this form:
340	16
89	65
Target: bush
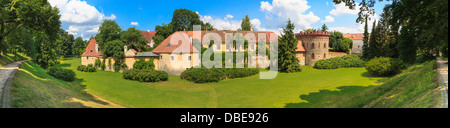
88	68
145	75
385	66
97	63
142	64
204	75
103	65
340	62
62	74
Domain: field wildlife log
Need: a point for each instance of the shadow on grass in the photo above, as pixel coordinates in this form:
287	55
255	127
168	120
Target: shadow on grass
329	99
88	96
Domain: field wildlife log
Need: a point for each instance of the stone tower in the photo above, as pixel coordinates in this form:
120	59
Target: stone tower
316	45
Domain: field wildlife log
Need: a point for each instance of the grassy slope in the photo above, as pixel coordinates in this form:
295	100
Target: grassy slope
247	92
9	58
34	88
414	88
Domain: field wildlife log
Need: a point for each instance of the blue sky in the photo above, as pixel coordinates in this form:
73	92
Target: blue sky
82	17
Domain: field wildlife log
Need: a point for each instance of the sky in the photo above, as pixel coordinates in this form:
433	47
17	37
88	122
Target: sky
82	18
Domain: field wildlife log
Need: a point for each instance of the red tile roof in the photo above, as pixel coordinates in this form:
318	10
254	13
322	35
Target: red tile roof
148	35
176	47
300	47
354	36
90	49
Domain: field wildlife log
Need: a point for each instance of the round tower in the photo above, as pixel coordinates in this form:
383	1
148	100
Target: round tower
316	45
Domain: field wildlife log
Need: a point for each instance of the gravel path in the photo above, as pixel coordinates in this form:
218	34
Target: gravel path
443	81
6	75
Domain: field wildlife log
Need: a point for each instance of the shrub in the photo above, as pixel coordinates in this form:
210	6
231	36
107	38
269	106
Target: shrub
145	75
204	75
384	66
340	62
62	74
142	64
88	68
103	65
97	63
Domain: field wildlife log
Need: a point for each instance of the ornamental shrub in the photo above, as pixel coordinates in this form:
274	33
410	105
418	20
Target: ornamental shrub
204	75
62	74
142	64
145	75
340	62
385	66
97	63
88	68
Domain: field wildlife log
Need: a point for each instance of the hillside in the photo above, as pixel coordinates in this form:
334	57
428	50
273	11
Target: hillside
9	58
414	88
34	88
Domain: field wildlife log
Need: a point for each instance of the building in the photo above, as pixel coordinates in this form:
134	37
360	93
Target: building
148	35
357	41
177	53
312	47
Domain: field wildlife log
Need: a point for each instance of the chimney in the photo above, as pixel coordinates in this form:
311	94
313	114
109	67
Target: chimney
96	47
125	49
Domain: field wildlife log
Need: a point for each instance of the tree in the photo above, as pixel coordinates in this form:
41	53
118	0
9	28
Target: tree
162	32
246	25
184	19
114	49
37	15
372	45
287	60
78	46
64	43
108	31
133	38
365	47
324	28
310	30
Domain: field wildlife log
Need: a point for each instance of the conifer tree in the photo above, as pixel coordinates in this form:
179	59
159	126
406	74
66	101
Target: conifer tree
287	61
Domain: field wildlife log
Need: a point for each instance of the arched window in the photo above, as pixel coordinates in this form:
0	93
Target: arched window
325	45
313	56
312	45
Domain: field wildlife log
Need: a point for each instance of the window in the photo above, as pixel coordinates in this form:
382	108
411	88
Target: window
172	58
325	45
218	46
189	58
313	56
324	55
87	57
160	57
312	45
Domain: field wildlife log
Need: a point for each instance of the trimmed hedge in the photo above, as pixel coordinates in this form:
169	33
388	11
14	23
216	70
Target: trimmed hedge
88	68
204	75
145	75
385	66
62	74
340	62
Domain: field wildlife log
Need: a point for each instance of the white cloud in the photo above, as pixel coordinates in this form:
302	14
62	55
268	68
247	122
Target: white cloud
296	10
328	19
341	9
327	3
83	19
135	23
228	16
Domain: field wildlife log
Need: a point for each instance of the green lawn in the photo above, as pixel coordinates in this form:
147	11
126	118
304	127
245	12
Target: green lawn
250	92
34	88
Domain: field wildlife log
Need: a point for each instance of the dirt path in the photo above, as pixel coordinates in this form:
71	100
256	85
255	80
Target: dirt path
443	80
6	75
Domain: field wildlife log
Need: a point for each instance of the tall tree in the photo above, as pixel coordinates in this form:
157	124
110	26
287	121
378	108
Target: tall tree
372	45
287	60
37	15
78	46
185	19
133	38
324	28
108	31
246	25
366	41
64	43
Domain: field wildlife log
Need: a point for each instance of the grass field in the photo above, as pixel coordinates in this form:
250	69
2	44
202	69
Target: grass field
414	88
250	92
9	58
34	88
